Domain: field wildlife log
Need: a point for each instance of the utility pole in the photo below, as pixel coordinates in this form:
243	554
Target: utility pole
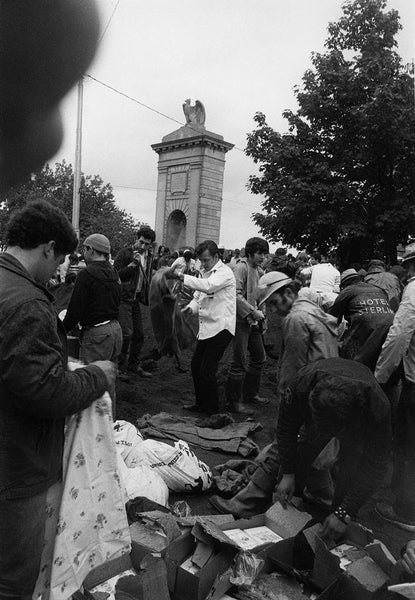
76	199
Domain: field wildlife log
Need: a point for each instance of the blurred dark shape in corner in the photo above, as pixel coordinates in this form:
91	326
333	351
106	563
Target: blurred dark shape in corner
45	47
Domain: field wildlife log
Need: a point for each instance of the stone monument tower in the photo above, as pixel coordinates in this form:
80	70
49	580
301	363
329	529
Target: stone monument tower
190	181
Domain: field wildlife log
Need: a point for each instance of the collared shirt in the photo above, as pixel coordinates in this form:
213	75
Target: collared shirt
325	278
214	300
142	270
400	342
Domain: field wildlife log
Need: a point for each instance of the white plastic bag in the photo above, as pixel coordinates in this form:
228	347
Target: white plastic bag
128	440
179	467
142	481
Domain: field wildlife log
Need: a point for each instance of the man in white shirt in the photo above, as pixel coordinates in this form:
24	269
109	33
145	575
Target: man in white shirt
400	346
214	301
325	280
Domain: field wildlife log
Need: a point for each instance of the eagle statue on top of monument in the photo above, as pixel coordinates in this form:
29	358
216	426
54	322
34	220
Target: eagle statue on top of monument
196	114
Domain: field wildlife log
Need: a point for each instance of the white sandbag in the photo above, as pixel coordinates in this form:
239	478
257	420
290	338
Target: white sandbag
142	481
179	467
128	439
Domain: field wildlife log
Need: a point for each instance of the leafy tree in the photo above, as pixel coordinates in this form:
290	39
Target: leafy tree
98	211
343	176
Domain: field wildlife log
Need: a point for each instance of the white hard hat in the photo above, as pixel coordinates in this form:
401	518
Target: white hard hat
270	283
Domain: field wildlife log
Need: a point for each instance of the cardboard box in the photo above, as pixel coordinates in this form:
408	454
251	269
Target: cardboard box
285	522
365	572
194	583
107	571
152	535
184	545
214	551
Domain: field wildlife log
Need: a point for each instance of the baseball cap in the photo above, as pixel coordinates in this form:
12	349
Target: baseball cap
270	283
98	242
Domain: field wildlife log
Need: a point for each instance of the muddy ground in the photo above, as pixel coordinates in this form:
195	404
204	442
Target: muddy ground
169	389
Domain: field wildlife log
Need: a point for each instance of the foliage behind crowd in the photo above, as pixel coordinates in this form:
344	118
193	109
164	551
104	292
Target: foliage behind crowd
98	211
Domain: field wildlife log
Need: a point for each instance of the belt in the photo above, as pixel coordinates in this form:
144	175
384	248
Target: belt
103	323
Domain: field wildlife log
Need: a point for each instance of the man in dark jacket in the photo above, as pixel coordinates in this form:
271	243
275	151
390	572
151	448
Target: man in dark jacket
338	398
134	266
36	390
366	308
329	398
389	282
95	303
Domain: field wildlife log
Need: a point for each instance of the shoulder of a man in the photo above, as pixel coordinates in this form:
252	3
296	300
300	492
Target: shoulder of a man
123	257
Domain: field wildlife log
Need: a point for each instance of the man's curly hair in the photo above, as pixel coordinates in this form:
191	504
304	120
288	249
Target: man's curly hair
39	223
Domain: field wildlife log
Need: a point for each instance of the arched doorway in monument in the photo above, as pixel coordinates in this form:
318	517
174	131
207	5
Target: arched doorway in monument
176	230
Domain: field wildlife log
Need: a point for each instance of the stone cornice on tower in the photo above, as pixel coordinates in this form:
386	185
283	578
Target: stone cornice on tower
188	136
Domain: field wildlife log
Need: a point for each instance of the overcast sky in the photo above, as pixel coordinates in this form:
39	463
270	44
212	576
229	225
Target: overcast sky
236	56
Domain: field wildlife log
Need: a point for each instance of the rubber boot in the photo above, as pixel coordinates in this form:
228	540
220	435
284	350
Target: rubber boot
252	500
251	388
234	397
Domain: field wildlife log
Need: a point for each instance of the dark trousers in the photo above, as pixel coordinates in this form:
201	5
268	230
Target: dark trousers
22	533
205	364
317	481
132	332
403	482
102	343
247	340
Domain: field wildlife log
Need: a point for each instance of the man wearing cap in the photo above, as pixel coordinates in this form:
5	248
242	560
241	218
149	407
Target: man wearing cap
135	268
377	275
94	304
244	377
400	346
367	311
309	334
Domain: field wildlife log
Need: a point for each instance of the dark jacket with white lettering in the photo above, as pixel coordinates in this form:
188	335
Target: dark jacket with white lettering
367	310
36	390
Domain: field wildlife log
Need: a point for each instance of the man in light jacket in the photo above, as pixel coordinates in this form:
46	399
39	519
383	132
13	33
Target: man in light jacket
244	378
400	346
309	335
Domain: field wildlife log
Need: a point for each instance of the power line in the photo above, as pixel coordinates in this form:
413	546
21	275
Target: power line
113	89
109	22
132	187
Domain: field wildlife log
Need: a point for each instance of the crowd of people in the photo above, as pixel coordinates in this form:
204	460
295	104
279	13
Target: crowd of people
346	371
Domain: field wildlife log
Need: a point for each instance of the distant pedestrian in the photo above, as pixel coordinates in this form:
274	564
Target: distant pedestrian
134	266
390	283
325	280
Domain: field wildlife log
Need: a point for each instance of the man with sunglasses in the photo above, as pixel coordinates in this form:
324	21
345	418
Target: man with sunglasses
134	266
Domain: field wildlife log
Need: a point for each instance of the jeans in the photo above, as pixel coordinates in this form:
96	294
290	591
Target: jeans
22	530
205	364
247	339
132	331
403	481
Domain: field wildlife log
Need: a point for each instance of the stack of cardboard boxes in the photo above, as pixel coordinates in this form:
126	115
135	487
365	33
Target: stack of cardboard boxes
204	558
